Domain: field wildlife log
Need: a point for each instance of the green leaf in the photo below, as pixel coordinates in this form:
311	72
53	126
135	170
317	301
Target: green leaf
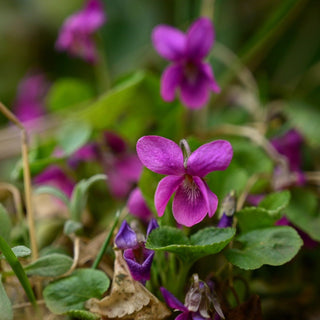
17	269
71	226
303	212
79	195
5	223
54	192
5	304
205	242
82	315
21	251
306	119
274	203
73	136
265	214
273	246
105	111
68	92
70	293
51	265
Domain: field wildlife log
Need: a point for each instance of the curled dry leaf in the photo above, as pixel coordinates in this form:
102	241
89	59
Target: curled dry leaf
128	299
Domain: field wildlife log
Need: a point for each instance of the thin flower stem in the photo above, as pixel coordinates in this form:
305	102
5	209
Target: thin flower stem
27	178
76	253
207	8
106	242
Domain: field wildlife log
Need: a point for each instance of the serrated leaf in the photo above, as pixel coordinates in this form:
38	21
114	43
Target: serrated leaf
265	214
205	242
5	223
304	213
54	192
70	293
51	265
5	304
274	203
273	246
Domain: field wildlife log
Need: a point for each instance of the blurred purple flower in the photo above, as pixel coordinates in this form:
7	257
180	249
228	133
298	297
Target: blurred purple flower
138	258
76	34
193	199
187	70
55	177
122	167
228	208
137	205
88	152
289	145
29	103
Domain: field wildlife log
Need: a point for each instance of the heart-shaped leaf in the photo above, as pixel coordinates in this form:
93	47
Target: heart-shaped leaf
273	246
205	242
70	293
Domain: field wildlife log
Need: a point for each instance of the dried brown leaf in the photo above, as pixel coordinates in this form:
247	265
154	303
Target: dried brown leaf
129	299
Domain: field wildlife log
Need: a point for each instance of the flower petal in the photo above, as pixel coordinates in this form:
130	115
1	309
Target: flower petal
212	156
139	271
137	205
166	187
184	316
190	204
160	155
200	37
170	80
195	90
207	70
153	224
126	238
169	42
172	301
210	198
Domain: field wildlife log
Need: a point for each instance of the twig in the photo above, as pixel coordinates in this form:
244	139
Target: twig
26	177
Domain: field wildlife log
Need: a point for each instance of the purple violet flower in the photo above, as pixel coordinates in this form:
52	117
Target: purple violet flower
228	209
187	70
193	199
55	177
138	258
137	205
289	145
88	152
29	104
122	167
199	302
76	34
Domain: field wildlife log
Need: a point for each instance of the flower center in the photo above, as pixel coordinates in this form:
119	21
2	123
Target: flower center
191	189
191	72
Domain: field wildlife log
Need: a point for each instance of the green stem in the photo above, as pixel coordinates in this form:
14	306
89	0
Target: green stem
106	242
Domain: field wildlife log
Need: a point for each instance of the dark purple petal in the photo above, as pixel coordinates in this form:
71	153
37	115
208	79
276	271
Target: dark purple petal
114	142
190	205
184	316
119	186
55	177
129	167
95	16
194	90
126	238
225	221
197	316
212	156
139	271
172	301
170	80
137	205
169	42
290	145
153	224
255	199
212	83
200	37
160	155
283	221
87	153
166	187
213	201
